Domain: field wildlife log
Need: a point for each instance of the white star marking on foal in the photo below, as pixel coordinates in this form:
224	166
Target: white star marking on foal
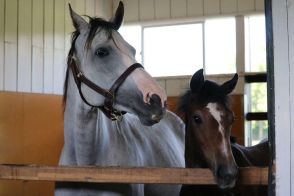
217	115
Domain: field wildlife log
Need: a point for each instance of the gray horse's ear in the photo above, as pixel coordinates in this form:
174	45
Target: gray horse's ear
230	85
118	17
197	81
79	23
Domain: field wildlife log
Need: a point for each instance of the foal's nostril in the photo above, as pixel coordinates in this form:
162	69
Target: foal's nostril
227	174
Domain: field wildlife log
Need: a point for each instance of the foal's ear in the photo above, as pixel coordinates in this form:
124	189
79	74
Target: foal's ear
118	17
230	85
79	23
197	81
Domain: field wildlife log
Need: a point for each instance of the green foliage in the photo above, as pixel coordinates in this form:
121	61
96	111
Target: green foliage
259	129
258	97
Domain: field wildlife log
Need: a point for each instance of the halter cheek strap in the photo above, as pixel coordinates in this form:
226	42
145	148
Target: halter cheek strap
109	95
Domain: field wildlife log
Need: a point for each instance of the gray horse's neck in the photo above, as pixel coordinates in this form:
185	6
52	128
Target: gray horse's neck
80	122
92	139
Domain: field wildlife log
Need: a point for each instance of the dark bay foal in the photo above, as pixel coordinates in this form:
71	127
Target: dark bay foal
209	120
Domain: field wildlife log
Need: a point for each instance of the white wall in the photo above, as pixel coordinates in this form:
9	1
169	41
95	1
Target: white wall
175	11
177	85
34	41
154	10
35	34
283	35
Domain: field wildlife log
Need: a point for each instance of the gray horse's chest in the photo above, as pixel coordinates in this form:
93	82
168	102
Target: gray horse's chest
122	144
130	144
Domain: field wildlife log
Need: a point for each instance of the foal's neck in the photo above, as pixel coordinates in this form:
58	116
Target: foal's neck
194	158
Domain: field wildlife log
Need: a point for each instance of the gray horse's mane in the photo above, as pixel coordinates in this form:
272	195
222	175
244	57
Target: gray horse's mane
96	25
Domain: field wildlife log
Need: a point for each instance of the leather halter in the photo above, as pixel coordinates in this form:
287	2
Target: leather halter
109	95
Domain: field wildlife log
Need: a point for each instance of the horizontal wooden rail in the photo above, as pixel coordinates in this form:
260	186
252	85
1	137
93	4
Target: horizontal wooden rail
251	116
255	78
248	176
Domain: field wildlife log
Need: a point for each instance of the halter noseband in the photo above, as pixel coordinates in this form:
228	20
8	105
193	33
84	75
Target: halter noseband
109	95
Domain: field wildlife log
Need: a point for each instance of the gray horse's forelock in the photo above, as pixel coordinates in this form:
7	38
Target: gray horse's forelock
96	26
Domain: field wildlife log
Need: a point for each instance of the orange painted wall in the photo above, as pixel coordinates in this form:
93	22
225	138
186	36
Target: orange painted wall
31	132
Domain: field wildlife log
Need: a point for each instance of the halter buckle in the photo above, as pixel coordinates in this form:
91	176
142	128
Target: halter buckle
116	116
79	74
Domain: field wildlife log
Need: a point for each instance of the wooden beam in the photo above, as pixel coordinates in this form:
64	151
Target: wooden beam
248	176
251	116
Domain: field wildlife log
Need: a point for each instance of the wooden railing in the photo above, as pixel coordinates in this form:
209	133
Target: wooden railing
247	176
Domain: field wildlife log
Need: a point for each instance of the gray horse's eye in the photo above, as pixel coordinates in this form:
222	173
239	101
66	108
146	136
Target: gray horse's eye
102	52
197	119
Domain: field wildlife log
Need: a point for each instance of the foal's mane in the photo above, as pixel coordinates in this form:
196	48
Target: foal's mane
95	26
210	92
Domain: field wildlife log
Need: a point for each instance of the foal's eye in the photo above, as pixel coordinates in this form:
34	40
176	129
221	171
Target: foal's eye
233	119
197	119
102	52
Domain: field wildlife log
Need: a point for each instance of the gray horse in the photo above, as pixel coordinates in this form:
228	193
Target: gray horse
127	125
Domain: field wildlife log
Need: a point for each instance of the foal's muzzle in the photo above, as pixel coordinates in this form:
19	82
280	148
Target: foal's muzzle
226	176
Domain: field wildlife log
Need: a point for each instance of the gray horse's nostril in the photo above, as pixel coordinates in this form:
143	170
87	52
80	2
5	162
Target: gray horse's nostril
155	101
157	110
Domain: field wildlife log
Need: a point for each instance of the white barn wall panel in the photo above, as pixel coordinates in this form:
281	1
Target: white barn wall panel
176	87
131	10
37	46
178	8
35	39
162	9
146	10
103	8
228	6
10	67
259	5
80	7
48	46
240	49
35	34
161	82
68	27
246	5
211	7
90	7
59	45
10	58
291	84
195	8
2	19
283	41
24	52
114	4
